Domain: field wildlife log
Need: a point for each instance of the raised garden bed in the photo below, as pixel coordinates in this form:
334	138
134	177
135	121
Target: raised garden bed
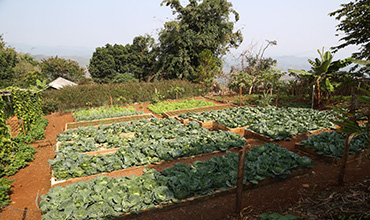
265	164
240	131
207	125
107	121
216	194
312	153
159	166
329	146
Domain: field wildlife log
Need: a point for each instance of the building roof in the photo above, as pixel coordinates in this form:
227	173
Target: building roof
60	83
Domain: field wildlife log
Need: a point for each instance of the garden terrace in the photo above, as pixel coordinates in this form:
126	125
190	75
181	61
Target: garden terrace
104	112
107	121
329	146
269	123
162	107
114	197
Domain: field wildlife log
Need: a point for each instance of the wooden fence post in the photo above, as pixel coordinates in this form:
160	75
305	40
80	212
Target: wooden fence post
239	186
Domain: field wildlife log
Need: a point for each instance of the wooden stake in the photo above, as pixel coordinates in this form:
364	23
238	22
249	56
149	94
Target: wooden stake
24	131
240	96
239	186
111	101
344	159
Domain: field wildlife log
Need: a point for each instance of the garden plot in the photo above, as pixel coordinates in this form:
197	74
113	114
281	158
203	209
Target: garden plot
269	123
154	142
107	121
118	135
183	112
329	146
102	112
162	107
174	186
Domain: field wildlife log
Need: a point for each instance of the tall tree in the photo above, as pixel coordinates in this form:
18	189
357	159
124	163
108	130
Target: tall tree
199	26
55	67
8	60
354	20
208	68
116	63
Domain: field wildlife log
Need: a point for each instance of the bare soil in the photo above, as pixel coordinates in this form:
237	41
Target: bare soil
34	180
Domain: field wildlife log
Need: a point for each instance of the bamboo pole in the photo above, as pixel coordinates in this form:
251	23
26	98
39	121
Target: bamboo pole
239	189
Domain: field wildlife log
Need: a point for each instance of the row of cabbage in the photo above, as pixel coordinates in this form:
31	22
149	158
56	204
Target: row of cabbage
331	144
112	136
102	112
155	140
272	122
105	197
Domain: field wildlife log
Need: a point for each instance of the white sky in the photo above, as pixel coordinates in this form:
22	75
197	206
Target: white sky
299	26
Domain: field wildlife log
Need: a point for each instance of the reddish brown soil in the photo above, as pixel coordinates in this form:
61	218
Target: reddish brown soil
35	179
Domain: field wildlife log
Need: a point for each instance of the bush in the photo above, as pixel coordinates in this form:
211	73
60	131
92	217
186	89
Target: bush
119	94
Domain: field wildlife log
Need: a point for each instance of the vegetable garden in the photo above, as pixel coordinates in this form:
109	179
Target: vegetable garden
95	157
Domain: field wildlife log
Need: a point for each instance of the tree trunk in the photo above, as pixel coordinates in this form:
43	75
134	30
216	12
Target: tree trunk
318	92
344	159
277	97
240	96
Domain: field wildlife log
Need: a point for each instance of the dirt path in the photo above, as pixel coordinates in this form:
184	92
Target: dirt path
34	179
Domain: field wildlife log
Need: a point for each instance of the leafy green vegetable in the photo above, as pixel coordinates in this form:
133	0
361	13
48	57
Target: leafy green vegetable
100	113
331	144
161	107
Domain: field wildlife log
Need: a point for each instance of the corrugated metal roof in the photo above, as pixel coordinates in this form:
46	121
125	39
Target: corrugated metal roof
60	83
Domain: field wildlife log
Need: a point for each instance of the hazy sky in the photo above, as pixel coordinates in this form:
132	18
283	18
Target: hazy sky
299	26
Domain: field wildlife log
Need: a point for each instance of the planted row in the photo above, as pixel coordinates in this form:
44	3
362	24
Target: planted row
272	122
73	164
105	197
331	144
161	107
102	112
111	136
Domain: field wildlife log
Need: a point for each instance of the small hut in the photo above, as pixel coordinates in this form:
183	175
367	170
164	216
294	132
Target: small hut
59	83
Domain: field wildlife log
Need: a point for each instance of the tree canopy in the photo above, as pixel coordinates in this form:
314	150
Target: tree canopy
354	20
201	25
55	67
118	63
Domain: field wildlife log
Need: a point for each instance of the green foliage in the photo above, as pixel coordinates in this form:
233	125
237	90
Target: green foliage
27	106
255	71
354	18
199	26
208	68
120	63
106	197
112	197
220	173
8	60
177	91
159	108
55	67
273	122
265	100
21	156
100	94
100	113
322	71
332	144
5	185
154	141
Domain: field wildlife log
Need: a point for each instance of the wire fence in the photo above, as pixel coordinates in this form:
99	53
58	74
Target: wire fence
13	213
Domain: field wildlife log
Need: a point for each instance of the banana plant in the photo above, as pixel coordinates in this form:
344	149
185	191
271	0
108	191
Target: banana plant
322	70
